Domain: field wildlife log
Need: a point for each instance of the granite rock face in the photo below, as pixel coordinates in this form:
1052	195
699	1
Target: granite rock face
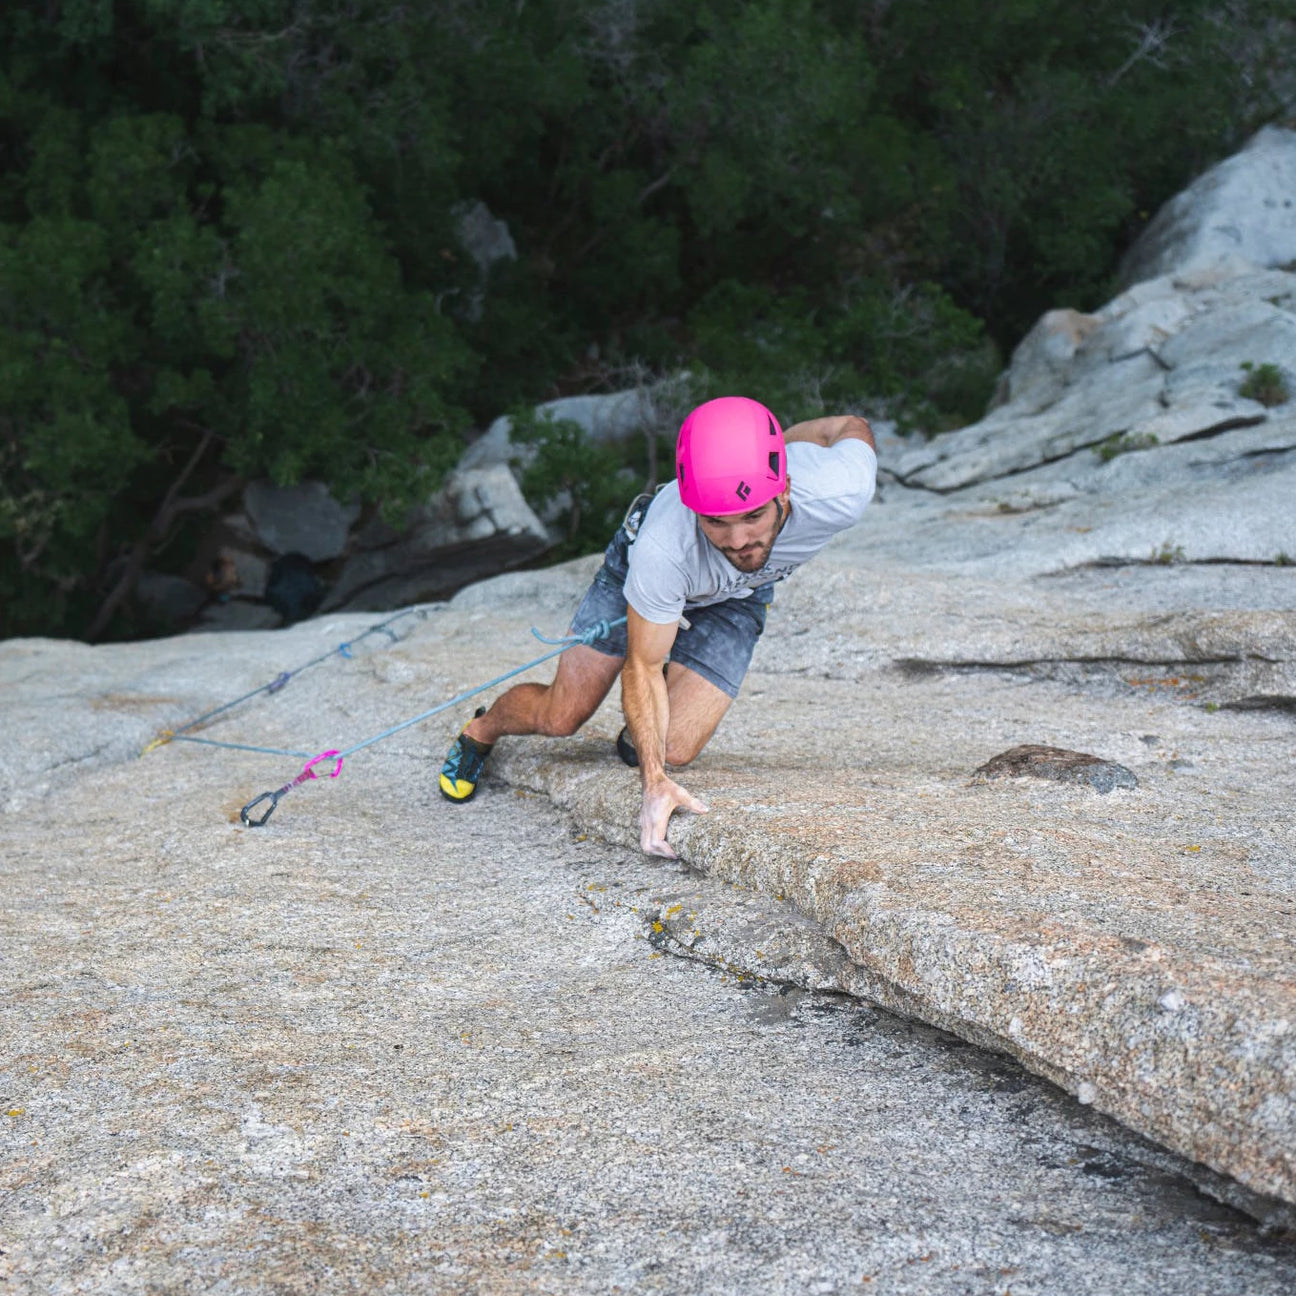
1102	565
484	237
391	1045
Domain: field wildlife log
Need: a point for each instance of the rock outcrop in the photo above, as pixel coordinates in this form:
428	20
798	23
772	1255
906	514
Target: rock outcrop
1245	206
1166	362
477	524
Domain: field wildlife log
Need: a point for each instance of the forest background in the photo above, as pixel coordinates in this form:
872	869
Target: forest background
229	238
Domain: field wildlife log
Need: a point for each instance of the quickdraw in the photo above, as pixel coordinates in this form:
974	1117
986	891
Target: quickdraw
600	630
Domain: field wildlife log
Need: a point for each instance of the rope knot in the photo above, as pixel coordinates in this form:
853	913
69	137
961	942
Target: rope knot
599	630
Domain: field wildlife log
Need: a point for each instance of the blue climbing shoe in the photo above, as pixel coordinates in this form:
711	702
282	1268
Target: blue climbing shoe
463	766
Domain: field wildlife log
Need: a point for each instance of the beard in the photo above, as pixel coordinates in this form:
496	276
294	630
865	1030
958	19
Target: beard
750	559
752	556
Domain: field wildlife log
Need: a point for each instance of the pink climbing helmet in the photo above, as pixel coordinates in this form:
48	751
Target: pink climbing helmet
730	457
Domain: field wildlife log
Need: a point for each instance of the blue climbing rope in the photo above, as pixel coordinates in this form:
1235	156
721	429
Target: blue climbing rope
600	630
233	746
274	686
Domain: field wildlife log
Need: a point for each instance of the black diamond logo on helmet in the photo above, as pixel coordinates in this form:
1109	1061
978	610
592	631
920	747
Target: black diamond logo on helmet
742	491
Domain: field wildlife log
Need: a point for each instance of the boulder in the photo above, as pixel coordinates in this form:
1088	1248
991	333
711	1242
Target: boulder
1245	207
303	519
1033	760
1042	360
613	417
294	589
234	571
236	529
168	600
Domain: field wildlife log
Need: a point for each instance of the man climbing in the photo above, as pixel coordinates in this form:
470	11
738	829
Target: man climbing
692	569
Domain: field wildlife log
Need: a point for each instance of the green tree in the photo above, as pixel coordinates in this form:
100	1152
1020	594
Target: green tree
230	245
185	304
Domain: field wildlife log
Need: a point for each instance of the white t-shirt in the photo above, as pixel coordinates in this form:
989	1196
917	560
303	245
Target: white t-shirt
673	566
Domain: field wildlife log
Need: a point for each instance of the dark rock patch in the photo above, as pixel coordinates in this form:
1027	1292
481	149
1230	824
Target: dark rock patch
293	587
1034	761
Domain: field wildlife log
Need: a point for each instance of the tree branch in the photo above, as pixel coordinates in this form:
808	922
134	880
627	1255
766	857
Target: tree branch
162	519
172	506
1153	37
211	499
660	183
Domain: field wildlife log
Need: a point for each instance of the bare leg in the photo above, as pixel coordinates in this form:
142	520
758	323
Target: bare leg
696	708
583	680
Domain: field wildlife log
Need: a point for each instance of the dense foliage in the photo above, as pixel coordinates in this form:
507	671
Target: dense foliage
229	228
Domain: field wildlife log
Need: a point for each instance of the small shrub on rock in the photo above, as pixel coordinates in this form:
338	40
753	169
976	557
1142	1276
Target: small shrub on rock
587	483
1124	443
1264	383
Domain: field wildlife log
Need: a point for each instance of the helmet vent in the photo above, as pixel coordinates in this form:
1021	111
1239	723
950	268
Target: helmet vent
774	462
773	428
